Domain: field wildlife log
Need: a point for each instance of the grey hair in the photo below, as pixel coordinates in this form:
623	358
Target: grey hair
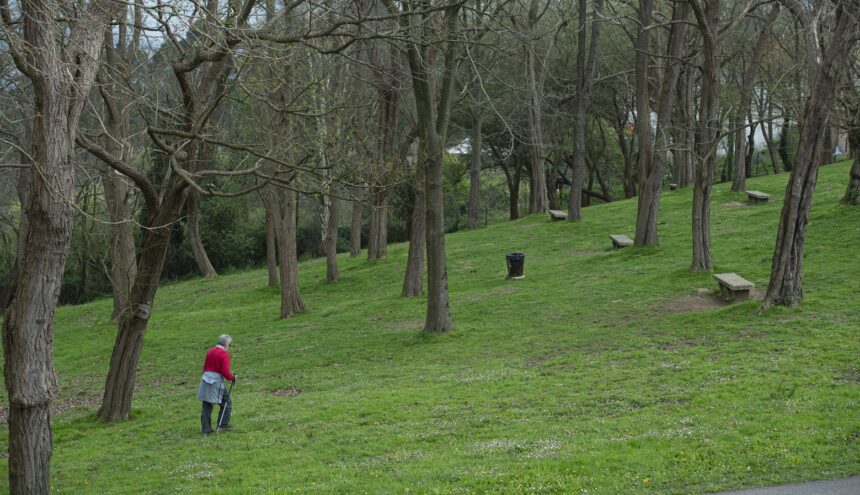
225	340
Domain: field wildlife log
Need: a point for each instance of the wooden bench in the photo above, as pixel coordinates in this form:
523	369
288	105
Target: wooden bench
556	215
620	241
757	197
733	287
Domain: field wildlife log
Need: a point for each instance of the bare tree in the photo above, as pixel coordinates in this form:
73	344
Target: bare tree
825	68
271	243
652	169
708	130
180	146
331	220
474	205
413	279
432	122
685	119
120	55
644	15
765	104
57	48
534	77
288	258
195	239
850	100
626	142
475	23
355	226
746	95
329	77
384	60
584	81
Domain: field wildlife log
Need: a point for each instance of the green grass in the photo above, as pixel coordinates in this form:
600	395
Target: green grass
583	377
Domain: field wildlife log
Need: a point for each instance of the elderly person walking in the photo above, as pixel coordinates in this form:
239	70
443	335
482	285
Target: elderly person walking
212	389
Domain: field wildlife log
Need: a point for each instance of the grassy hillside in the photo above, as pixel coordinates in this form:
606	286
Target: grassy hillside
602	372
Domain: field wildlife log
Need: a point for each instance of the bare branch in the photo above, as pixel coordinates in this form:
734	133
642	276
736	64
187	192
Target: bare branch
111	161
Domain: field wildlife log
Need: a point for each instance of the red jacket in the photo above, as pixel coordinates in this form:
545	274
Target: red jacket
218	360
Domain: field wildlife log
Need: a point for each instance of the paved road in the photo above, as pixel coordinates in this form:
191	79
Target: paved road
847	486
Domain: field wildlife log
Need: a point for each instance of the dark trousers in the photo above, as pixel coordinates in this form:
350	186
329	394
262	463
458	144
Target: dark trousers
223	413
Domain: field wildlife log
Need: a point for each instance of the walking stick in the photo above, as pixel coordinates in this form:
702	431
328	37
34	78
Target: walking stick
224	409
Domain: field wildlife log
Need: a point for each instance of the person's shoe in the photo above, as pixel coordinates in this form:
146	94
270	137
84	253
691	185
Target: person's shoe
207	433
225	427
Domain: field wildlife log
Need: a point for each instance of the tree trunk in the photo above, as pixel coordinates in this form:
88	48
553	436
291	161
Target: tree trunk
117	193
200	256
60	57
271	249
826	154
123	267
514	201
474	205
164	210
688	103
27	325
707	136
746	94
775	159
122	372
330	240
586	198
438	311
540	200
750	146
625	145
651	170
726	173
377	242
413	281
22	187
355	231
585	79
513	182
431	126
389	103
702	218
285	229
7	291
645	156
604	187
83	260
852	105
852	192
31	436
785	287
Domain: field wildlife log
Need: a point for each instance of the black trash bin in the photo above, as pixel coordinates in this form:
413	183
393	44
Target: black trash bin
515	264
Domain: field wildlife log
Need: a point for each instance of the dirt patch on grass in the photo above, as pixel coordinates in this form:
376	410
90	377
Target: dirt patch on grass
696	302
290	392
76	402
534	361
704	300
414	324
